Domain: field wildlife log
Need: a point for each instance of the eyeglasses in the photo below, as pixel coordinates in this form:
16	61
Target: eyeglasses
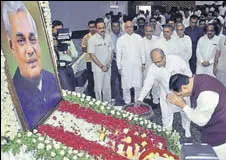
194	22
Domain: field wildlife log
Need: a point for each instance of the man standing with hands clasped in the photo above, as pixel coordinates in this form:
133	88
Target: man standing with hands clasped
208	107
100	47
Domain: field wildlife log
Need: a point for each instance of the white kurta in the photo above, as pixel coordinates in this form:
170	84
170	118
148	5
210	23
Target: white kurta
221	66
206	104
206	51
162	75
130	57
148	46
170	47
185	48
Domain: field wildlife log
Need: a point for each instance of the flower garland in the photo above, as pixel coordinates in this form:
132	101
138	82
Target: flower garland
83	128
9	121
172	138
33	145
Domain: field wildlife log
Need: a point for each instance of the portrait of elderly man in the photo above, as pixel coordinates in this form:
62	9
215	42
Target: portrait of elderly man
36	88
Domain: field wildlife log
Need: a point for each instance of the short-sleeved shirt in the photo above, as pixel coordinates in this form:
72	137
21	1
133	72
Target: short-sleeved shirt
85	45
102	48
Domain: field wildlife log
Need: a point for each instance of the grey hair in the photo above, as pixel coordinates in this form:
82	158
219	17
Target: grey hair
180	24
158	50
15	7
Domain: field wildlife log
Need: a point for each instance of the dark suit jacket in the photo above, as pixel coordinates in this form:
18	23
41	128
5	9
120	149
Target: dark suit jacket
35	103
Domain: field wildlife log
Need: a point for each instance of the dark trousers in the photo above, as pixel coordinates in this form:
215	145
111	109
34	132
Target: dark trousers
116	88
192	63
67	78
90	87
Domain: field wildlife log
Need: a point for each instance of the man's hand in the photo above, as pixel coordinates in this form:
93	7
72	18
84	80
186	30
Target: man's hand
120	71
104	68
137	103
174	99
68	52
205	63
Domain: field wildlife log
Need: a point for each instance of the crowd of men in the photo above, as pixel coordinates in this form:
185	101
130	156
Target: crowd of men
129	59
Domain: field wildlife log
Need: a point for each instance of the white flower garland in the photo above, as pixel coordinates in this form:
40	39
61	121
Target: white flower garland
9	121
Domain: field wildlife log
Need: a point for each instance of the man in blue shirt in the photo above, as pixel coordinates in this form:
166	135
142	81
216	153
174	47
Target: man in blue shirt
194	32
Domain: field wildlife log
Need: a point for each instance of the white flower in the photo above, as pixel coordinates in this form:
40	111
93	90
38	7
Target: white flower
29	134
41	146
35	131
41	138
88	98
74	93
83	95
80	154
65	158
93	99
3	142
75	157
98	102
75	151
82	100
79	95
102	108
112	112
48	147
126	130
57	145
70	150
34	140
105	103
141	122
91	103
64	93
53	154
19	135
18	141
149	125
62	152
118	113
130	118
47	141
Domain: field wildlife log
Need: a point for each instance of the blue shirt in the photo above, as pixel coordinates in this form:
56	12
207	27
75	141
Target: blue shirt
194	34
36	104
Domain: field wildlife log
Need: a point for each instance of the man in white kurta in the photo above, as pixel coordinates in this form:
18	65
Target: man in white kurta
184	43
100	47
168	42
130	61
162	67
149	43
206	51
221	60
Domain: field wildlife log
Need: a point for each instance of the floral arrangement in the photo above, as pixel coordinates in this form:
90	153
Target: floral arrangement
111	133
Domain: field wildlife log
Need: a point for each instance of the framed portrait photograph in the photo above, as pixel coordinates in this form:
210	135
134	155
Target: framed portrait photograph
30	68
114	4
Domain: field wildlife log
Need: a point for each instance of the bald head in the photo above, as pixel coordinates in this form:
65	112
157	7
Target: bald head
158	57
